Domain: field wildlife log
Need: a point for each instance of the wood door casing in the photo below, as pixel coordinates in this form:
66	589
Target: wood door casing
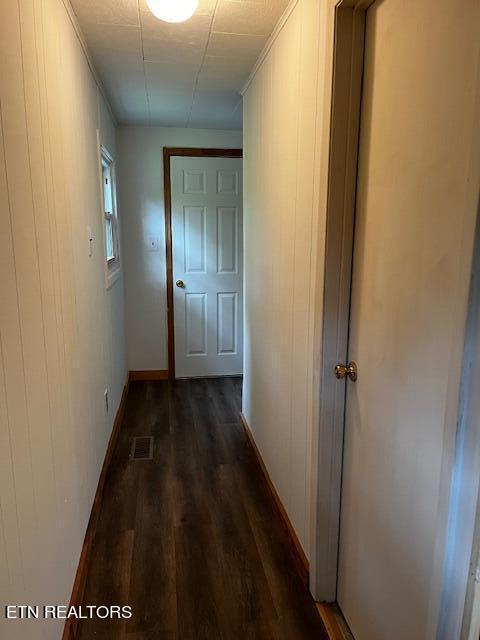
168	154
208	257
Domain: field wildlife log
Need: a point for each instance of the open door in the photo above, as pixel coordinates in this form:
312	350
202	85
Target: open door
416	202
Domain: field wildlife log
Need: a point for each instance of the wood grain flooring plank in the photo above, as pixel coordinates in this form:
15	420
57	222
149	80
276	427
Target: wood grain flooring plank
199	597
247	596
191	539
110	557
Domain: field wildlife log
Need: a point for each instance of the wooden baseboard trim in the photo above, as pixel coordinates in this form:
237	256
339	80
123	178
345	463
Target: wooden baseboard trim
333	621
71	625
148	375
299	554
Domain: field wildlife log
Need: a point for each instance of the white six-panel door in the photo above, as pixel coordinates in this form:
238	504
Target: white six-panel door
208	265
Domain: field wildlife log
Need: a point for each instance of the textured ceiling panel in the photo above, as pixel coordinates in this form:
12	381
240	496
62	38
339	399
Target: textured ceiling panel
223	73
225	101
208	119
187	74
156	50
233	16
175	114
128	96
193	31
244	45
180	73
123	12
115	38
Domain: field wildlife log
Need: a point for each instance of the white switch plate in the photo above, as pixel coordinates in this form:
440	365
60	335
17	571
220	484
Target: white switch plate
152	243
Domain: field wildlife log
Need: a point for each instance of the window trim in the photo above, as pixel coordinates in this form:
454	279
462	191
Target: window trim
112	264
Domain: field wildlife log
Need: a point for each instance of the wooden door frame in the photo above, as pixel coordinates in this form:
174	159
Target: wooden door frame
168	153
345	46
345	34
460	589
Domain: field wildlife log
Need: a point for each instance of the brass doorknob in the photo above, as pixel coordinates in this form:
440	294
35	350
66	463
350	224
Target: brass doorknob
180	283
350	370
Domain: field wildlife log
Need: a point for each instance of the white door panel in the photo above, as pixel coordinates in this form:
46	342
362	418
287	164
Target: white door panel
208	257
227	240
408	307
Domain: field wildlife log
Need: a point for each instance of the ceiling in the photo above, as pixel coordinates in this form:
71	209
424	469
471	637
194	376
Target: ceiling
179	75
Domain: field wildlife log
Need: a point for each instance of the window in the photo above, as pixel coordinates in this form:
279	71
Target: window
112	253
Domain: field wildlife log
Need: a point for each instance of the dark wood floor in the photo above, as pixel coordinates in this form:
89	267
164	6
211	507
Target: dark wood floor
190	540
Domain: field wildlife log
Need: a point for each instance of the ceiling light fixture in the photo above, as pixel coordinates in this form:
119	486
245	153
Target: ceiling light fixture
172	10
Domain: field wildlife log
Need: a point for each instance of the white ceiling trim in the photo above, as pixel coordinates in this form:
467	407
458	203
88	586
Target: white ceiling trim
78	32
147	93
269	44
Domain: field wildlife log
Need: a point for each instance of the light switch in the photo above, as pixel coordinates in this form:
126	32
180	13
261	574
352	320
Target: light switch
152	243
90	241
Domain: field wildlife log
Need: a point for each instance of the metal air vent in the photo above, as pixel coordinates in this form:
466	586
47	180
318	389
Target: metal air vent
142	448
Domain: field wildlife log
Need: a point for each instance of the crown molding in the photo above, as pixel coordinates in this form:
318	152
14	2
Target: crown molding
78	31
269	44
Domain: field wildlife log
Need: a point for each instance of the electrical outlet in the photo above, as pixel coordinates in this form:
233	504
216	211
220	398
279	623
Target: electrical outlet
106	400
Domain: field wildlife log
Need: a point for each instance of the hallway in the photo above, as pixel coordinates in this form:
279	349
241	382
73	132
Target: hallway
190	540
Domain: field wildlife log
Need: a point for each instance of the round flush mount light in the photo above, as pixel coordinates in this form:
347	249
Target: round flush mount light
172	10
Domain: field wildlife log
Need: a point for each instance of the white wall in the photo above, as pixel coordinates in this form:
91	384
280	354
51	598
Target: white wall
284	239
61	332
140	178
